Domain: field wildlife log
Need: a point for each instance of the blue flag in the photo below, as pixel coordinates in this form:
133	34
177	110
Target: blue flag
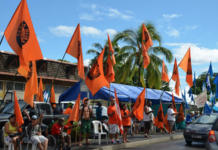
207	109
190	92
215	81
215	107
211	96
194	81
203	86
210	71
192	98
208	83
184	97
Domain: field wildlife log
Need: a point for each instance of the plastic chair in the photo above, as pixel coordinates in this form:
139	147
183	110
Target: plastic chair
10	145
28	141
96	131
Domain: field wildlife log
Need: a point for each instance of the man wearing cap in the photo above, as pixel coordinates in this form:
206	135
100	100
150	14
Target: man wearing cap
85	114
56	131
35	135
69	109
114	129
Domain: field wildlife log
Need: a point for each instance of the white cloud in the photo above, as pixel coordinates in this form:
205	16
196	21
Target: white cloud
40	39
62	31
67	31
191	27
86	62
199	55
173	32
168	17
85	16
1	33
99	12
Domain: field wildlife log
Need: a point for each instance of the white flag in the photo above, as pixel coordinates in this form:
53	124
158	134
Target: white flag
201	99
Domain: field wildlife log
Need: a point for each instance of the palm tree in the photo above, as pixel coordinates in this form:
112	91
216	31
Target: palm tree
134	62
119	54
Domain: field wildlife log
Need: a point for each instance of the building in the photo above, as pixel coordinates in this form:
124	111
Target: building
46	69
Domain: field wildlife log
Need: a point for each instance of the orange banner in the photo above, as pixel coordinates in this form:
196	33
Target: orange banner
75	49
110	48
39	96
138	109
146	59
164	75
17	112
109	71
160	118
52	96
181	116
146	37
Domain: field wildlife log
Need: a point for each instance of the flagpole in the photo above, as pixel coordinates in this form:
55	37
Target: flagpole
2	39
109	82
9	87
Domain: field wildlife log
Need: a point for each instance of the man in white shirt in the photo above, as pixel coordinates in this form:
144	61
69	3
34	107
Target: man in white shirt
147	118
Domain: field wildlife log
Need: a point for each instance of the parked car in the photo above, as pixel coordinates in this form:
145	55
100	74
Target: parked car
212	141
198	130
42	107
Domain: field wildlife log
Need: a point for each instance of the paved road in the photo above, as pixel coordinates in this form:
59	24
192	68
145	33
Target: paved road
172	145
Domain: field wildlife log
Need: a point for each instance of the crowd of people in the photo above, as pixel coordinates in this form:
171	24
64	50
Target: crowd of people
35	127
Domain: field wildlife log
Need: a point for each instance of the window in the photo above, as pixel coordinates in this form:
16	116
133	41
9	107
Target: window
48	87
1	85
9	84
63	89
45	108
19	86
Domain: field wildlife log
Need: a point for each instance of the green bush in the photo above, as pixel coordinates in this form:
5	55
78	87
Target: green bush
73	131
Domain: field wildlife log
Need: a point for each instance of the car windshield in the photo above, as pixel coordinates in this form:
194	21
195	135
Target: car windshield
9	109
206	119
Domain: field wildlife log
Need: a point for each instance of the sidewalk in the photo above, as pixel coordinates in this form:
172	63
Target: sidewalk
136	140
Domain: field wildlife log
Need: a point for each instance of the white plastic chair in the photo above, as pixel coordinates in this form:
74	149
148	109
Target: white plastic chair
96	131
10	145
28	141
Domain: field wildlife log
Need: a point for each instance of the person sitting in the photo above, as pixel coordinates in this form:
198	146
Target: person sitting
11	127
189	118
99	112
56	131
34	132
69	109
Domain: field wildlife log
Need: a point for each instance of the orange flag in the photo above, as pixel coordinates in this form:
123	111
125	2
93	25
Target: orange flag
174	104
160	118
75	49
177	90
109	71
17	112
186	65
164	75
146	59
146	37
138	109
181	115
175	77
166	123
110	48
52	96
21	36
118	113
95	79
40	97
31	87
74	116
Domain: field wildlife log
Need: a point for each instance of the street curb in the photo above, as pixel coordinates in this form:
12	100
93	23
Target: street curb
141	143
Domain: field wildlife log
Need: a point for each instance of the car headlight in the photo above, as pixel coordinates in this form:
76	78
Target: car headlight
187	130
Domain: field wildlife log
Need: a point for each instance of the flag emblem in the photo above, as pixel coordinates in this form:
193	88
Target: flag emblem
94	71
107	69
189	71
139	103
160	116
165	68
79	47
30	72
23	34
146	35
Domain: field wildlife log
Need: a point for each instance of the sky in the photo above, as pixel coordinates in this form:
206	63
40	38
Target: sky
181	24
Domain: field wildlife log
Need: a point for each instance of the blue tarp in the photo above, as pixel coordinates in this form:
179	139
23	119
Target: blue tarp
125	93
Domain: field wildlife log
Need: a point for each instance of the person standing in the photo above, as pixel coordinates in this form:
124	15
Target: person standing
99	112
171	118
113	126
147	118
69	109
126	121
85	114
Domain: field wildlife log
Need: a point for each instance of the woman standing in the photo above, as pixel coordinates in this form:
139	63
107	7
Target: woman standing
126	120
11	127
171	118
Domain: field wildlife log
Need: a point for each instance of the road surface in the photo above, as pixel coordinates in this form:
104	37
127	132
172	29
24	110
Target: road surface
172	145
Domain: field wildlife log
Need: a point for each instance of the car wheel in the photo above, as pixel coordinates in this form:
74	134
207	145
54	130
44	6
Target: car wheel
1	139
188	142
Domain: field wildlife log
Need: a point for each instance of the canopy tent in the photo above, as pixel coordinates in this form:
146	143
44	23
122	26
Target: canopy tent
125	93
